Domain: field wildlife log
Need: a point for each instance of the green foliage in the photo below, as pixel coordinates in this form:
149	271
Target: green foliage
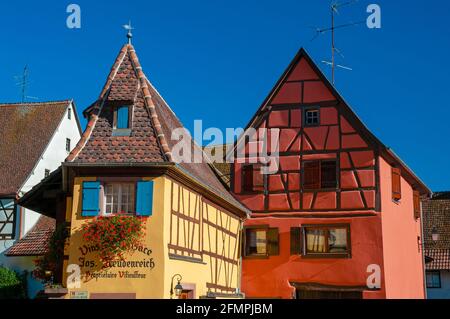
54	258
12	284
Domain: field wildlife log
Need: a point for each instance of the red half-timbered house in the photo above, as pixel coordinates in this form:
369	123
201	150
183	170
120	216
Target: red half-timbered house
341	216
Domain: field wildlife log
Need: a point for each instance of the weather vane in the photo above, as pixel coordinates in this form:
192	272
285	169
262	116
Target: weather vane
129	28
334	10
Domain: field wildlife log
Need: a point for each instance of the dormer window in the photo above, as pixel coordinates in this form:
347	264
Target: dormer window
312	117
122	117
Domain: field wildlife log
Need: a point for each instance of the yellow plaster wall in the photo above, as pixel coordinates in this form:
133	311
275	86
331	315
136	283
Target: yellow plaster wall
145	288
207	268
209	241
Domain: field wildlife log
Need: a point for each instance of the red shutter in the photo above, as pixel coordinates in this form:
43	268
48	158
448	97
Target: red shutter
258	178
417	208
328	174
396	184
247	178
312	175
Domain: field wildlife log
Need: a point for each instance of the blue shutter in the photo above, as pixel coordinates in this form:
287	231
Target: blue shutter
91	199
122	117
144	198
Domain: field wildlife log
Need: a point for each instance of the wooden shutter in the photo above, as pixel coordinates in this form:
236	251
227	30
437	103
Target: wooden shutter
144	198
258	178
312	175
91	199
296	242
328	174
396	184
417	206
247	178
273	242
122	117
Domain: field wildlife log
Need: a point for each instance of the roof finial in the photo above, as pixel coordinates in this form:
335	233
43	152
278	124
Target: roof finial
129	34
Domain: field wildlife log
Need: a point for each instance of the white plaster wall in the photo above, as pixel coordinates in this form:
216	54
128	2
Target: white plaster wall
51	159
444	291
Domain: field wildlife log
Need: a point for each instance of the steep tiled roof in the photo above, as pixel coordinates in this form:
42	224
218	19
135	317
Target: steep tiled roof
436	214
35	242
440	257
223	168
153	123
25	131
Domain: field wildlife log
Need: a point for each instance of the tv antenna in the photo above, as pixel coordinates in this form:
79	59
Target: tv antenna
334	8
130	28
23	82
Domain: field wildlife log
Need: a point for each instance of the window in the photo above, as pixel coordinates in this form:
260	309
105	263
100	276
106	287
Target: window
329	241
121	118
69	113
320	175
68	148
396	184
252	178
119	198
47	173
261	242
433	279
7	218
312	117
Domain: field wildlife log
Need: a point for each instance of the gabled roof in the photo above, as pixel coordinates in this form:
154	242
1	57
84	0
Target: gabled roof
383	150
25	131
153	123
35	242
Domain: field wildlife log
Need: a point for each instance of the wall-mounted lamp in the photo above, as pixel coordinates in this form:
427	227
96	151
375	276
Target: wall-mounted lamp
435	234
178	287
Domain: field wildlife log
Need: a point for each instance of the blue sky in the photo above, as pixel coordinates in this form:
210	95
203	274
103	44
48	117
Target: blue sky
217	60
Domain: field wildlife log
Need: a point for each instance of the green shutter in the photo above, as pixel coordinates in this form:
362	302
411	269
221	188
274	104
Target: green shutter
91	199
144	198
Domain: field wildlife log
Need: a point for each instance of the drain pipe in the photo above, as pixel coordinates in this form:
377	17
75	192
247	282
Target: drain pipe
423	254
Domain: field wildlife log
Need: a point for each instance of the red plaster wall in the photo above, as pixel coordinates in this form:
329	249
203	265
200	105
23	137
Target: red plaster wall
270	277
402	258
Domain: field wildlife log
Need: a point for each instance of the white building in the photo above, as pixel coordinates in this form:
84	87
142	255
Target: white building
35	139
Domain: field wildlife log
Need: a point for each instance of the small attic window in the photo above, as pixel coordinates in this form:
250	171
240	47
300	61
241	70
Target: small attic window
122	117
69	114
312	117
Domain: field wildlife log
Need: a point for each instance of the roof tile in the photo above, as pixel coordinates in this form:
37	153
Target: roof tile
25	131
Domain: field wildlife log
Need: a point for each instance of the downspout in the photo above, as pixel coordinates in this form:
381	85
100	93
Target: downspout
423	253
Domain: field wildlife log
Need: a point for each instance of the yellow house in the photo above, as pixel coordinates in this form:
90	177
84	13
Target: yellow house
124	164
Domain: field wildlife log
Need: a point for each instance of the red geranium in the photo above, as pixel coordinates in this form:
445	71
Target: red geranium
114	235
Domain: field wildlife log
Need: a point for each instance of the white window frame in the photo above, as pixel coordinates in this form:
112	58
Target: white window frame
131	200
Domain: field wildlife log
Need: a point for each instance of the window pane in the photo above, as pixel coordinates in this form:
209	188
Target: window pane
256	242
312	117
337	241
315	241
